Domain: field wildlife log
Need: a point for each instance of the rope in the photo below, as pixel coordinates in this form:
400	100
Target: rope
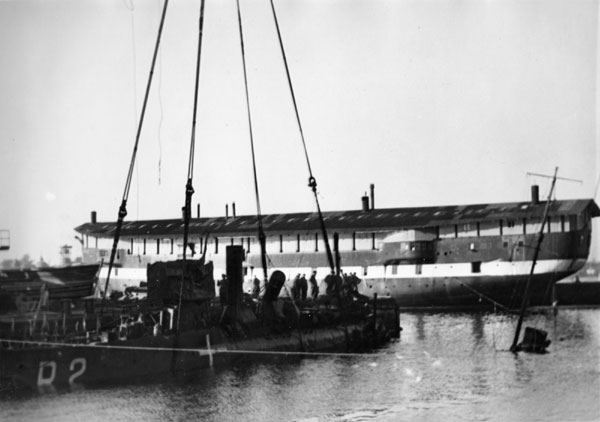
160	119
312	182
481	295
287	71
149	83
201	351
261	233
123	207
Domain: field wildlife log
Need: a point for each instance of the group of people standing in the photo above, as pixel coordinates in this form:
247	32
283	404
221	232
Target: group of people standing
345	284
300	287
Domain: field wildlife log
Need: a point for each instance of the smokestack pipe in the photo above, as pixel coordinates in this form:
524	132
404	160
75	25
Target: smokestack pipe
365	203
226	210
535	194
372	196
93	217
198	210
234	257
233	209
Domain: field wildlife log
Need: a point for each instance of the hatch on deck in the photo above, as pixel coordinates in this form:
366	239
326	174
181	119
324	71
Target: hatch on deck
4	240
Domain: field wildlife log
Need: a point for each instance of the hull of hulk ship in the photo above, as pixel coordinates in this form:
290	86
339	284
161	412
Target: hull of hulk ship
460	256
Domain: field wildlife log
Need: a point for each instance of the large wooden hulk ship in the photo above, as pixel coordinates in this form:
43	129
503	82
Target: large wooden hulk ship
447	256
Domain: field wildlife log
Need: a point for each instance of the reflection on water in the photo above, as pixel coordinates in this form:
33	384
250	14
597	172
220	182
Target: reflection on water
445	367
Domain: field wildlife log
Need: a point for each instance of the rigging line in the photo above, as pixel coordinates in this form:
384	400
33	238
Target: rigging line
312	182
145	103
123	207
189	189
135	112
481	295
287	71
199	350
160	120
261	233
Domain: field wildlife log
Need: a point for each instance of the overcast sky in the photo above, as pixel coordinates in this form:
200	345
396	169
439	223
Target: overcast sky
435	102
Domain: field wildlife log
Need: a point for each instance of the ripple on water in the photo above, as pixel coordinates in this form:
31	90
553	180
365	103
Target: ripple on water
445	367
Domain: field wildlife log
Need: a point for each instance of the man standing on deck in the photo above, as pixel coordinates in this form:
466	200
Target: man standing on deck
256	287
223	290
296	288
303	287
314	292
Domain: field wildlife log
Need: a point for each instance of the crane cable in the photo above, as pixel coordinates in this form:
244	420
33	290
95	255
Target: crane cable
261	232
123	208
312	182
189	189
335	267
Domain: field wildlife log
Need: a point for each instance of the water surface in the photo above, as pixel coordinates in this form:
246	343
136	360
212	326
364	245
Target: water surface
449	367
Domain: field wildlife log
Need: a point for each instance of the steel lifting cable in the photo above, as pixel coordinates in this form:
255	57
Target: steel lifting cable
189	189
123	207
312	182
261	232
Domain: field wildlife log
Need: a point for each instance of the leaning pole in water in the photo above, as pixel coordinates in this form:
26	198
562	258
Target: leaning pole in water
514	347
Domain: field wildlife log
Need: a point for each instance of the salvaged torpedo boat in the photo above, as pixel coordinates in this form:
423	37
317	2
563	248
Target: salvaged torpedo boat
181	328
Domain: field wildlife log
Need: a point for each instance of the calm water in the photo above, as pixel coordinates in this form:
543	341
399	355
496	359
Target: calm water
445	367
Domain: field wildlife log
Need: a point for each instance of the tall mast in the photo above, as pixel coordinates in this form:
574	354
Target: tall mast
540	238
